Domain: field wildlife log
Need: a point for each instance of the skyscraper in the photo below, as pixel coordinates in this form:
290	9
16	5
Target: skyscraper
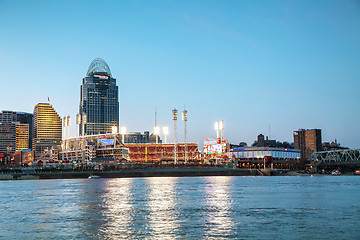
99	99
47	127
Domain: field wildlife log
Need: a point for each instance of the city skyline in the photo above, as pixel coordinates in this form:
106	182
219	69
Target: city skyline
289	65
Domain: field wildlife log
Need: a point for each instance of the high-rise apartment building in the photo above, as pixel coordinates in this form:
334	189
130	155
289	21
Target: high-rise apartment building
308	141
99	99
47	127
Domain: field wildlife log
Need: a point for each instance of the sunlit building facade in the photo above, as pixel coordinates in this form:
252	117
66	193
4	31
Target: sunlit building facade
19	117
99	99
47	127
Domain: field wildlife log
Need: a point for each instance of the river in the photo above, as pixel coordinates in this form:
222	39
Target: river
319	207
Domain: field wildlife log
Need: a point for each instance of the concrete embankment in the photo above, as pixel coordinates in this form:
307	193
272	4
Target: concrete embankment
161	172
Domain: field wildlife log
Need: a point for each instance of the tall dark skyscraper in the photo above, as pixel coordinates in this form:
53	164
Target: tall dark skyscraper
99	99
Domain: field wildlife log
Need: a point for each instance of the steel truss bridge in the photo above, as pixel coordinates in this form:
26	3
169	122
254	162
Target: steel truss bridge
344	157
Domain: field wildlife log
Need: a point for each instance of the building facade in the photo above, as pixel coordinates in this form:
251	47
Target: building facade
7	138
99	99
47	128
19	117
253	157
307	141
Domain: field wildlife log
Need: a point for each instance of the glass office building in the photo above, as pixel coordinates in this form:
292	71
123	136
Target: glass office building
47	128
99	99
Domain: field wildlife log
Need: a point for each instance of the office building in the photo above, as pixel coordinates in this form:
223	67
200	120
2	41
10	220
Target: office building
47	128
99	99
19	117
7	138
308	141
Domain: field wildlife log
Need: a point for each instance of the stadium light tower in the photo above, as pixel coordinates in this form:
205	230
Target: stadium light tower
78	122
68	126
174	118
185	118
217	130
221	127
123	132
83	121
165	132
156	133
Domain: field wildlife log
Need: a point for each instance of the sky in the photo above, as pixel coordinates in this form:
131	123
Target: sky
258	65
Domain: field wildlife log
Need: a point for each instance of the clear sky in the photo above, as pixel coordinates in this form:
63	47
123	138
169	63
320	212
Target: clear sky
287	64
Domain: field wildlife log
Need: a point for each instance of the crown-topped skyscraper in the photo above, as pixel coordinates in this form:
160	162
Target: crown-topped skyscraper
99	99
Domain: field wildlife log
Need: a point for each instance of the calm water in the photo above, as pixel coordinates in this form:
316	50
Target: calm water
188	208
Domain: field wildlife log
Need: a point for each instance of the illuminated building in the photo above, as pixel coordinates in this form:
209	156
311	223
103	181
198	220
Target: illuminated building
94	148
156	152
47	127
99	99
253	157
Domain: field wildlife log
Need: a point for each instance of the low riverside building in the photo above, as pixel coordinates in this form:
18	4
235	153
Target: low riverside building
253	157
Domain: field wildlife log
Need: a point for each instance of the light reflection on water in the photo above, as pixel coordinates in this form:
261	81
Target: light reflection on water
219	204
187	208
162	210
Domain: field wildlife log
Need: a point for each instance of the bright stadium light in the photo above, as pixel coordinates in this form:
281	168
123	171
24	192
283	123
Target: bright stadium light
157	130
114	129
123	130
221	124
216	125
165	132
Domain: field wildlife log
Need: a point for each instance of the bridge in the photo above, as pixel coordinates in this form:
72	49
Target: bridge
348	159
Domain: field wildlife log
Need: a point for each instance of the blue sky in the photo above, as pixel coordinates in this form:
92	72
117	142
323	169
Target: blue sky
287	64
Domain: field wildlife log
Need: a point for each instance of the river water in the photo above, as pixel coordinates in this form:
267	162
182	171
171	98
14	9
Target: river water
321	207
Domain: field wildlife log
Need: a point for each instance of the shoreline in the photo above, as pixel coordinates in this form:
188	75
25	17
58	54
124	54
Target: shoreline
160	172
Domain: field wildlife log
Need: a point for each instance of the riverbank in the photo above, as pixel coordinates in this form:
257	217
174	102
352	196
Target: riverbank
130	173
147	172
